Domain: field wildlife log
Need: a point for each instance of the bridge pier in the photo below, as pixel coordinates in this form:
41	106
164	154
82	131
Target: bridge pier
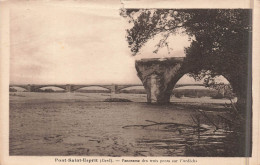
30	88
68	88
159	77
114	89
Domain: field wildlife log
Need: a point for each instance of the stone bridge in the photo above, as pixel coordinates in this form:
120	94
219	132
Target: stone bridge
159	76
113	88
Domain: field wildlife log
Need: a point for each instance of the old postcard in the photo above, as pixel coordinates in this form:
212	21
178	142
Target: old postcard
129	82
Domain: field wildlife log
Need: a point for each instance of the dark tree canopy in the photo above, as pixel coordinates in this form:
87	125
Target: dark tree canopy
221	40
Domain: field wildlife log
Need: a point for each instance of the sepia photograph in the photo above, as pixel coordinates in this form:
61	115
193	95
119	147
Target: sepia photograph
106	80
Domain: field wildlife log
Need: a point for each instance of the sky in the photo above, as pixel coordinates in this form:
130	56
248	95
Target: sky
76	42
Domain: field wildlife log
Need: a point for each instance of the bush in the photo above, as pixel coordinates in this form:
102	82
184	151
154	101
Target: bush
12	90
178	95
217	96
194	93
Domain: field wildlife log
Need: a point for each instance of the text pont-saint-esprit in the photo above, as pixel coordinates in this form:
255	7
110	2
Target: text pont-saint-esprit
76	160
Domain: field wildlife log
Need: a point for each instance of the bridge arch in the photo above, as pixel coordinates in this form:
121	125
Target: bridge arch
123	87
221	90
50	86
18	86
44	86
128	87
75	88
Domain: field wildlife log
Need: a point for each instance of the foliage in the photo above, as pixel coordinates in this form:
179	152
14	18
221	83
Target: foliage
231	124
221	40
12	90
223	91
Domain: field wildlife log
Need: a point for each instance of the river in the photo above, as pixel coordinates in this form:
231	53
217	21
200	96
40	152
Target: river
61	124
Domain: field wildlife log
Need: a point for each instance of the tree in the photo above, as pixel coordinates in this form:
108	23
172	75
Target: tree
12	90
221	41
